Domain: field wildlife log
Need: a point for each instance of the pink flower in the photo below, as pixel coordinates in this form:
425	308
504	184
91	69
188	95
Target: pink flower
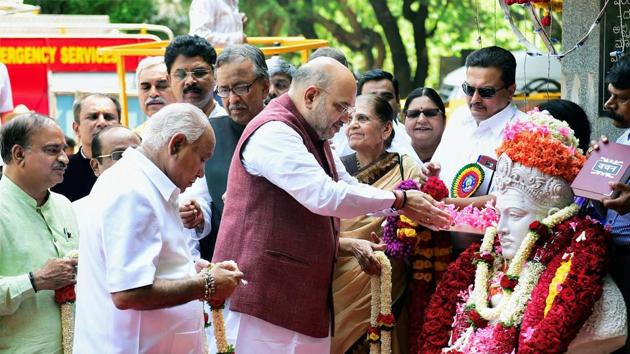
528	333
564	131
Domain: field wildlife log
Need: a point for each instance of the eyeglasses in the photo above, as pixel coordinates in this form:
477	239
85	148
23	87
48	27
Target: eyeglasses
484	92
415	113
115	155
340	107
239	90
181	74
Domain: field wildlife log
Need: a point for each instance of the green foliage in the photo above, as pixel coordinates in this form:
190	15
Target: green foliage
132	11
450	26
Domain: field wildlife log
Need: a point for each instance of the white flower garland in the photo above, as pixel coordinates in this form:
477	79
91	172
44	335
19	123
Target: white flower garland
522	292
381	303
67	316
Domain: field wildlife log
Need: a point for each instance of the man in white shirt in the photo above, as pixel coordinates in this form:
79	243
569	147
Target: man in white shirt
286	191
190	65
218	21
6	98
154	90
477	128
137	286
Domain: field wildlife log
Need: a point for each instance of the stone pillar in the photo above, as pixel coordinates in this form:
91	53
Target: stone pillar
581	69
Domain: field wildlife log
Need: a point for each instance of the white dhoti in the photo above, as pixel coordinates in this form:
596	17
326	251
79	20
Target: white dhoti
250	334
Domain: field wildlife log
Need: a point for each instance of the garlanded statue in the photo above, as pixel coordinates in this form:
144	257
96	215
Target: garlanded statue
538	282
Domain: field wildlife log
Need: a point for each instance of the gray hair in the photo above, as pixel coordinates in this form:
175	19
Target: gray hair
245	51
277	65
330	52
19	130
306	75
172	119
147	63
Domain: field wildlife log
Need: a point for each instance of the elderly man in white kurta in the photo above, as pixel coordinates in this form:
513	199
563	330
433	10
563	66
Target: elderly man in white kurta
138	288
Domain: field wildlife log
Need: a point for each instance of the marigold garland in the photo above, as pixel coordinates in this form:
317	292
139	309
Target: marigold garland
381	318
428	252
545	143
66	297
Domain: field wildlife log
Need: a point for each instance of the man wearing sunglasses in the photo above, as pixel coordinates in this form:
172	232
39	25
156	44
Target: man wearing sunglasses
477	128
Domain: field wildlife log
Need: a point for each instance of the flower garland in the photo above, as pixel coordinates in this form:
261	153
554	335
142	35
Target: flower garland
471	218
66	297
443	304
469	332
428	252
219	323
572	285
381	318
544	143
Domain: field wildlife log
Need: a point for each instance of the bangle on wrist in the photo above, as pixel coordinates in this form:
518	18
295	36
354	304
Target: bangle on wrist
404	203
401	199
210	288
31	277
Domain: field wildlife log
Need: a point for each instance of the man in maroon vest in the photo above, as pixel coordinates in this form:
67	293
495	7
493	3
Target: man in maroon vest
285	193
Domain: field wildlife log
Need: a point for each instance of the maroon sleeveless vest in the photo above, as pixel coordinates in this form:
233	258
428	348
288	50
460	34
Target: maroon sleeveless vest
286	252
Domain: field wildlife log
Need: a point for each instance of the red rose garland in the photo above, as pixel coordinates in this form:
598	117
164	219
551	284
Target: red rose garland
442	306
582	239
580	290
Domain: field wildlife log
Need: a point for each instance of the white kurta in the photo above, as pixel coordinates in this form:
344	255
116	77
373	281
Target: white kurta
6	98
219	21
464	140
199	192
134	236
277	153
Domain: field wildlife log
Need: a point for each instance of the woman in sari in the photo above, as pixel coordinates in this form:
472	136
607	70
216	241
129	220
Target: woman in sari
369	134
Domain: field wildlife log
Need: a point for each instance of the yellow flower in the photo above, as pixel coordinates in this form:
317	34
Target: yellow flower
423	276
556	282
405	232
442	251
422	264
408	221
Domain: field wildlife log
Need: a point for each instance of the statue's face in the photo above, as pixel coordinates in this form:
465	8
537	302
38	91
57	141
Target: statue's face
516	212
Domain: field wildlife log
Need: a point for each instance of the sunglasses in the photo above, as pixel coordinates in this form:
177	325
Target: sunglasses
484	92
115	155
415	113
181	74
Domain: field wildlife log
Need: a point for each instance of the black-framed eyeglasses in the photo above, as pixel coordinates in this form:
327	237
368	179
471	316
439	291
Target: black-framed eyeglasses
239	90
115	155
484	92
415	113
200	73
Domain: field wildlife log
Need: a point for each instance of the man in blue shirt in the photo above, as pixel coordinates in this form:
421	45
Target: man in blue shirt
618	216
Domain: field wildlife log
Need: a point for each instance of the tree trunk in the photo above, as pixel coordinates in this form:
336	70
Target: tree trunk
402	70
